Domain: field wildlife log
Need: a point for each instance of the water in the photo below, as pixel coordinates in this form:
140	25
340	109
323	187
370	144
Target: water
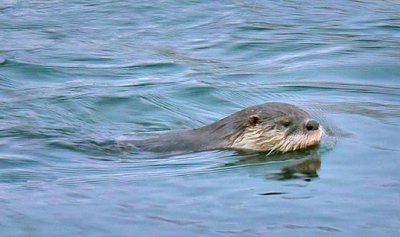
74	74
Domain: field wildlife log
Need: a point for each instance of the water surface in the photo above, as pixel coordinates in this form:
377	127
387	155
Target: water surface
74	74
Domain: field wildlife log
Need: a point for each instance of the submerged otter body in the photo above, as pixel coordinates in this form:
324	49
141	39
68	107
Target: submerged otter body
267	127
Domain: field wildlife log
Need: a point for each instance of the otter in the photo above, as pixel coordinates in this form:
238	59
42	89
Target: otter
270	127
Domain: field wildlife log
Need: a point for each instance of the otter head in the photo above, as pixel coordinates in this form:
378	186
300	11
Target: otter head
276	127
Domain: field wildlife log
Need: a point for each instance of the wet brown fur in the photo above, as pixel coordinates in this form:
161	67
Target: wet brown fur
266	127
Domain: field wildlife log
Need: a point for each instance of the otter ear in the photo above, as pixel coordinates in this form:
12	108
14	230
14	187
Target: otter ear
254	119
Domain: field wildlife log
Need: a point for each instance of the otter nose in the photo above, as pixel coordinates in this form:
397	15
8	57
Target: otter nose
312	125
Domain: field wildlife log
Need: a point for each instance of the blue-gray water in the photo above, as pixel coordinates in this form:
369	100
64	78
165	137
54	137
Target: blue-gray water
75	74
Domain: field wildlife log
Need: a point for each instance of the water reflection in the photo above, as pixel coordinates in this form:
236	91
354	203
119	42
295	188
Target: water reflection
302	164
305	169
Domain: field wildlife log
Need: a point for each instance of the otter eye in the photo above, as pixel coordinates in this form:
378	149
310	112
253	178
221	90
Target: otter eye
255	119
286	123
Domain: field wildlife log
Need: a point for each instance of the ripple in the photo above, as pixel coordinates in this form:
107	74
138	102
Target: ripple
325	85
263	26
305	53
8	160
141	65
324	228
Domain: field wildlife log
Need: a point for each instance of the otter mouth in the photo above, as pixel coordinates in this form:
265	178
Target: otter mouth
271	140
295	142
